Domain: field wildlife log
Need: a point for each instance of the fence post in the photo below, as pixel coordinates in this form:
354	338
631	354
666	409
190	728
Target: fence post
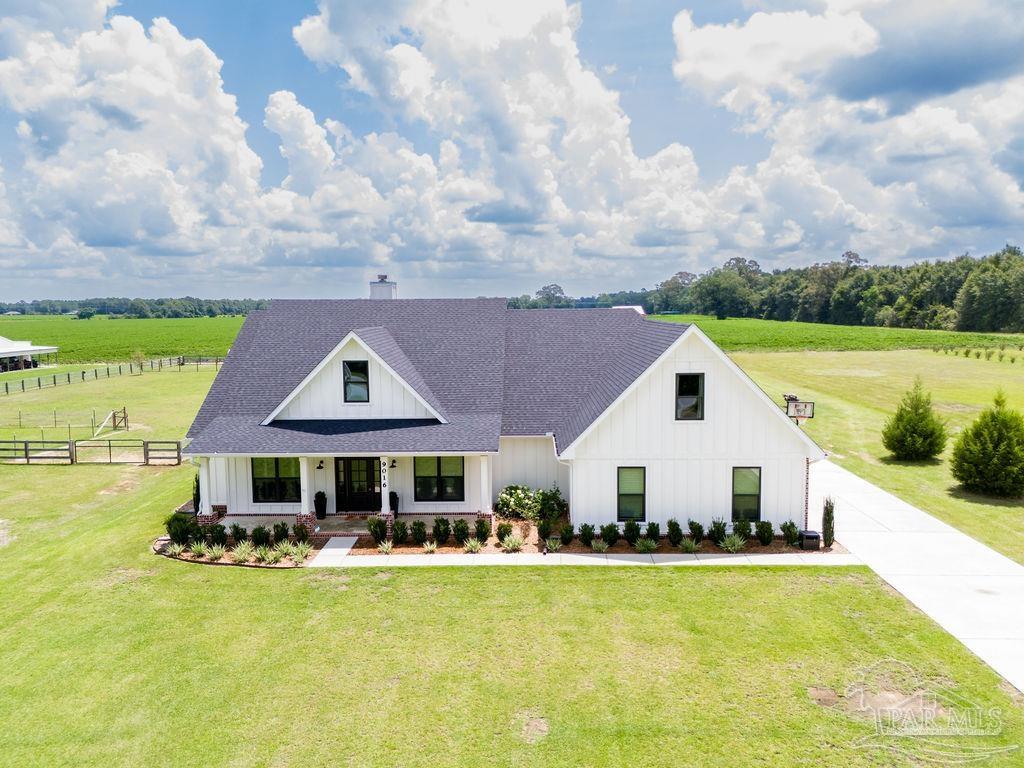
28	458
72	453
177	445
145	452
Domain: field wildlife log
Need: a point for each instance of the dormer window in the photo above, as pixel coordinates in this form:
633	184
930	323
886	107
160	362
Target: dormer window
689	397
357	381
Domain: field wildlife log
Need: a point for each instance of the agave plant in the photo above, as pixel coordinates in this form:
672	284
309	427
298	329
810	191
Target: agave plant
645	546
197	548
215	552
512	543
262	553
174	549
599	545
385	547
554	544
689	546
472	546
300	551
429	547
243	552
733	543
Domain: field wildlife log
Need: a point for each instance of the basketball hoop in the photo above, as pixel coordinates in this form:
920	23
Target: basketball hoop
799	410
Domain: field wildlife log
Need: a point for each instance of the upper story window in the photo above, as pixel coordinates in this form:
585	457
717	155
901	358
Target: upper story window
689	397
357	381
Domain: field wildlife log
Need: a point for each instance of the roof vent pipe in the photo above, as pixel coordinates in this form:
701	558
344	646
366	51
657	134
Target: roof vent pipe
382	288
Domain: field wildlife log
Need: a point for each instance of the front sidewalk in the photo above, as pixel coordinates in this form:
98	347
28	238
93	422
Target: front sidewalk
970	590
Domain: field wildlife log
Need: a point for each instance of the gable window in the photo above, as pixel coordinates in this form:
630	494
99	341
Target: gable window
357	380
275	480
632	487
746	494
689	397
439	478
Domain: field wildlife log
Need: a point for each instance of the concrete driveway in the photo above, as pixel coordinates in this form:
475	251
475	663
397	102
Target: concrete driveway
972	591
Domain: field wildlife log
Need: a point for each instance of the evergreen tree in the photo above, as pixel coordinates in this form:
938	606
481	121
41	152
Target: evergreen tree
914	432
989	455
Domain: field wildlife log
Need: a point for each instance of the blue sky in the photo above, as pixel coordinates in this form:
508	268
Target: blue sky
273	148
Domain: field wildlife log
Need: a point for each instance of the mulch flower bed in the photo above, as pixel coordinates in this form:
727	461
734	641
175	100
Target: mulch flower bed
160	547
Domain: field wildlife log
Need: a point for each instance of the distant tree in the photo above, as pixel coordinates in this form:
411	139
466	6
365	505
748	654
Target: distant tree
988	456
722	293
552	296
990	298
914	432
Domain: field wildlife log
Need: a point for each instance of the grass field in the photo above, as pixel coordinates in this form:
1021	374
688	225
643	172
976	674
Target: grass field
753	334
855	392
113	656
102	339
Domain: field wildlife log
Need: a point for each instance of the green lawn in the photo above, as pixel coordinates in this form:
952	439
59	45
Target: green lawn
855	392
753	334
112	340
113	656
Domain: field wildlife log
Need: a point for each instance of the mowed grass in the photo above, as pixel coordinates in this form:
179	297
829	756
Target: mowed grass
112	340
754	334
855	392
114	656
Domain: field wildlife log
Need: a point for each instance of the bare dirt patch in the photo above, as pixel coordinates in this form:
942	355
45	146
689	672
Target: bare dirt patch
120	576
126	484
533	727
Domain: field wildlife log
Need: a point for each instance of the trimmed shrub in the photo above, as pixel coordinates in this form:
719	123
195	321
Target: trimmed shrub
599	545
260	537
442	530
181	527
518	502
610	534
733	543
300	532
378	528
460	530
717	531
988	456
828	522
689	546
696	531
419	532
238	533
504	529
631	532
765	532
586	534
653	531
281	531
473	546
482	529
216	534
399	532
790	533
544	529
550	504
675	532
741	528
512	543
914	432
645	546
565	534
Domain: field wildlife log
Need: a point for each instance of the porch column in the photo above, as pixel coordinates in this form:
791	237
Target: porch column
204	514
305	485
385	486
485	485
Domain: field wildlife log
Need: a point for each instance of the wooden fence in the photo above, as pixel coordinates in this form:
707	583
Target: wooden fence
177	364
124	451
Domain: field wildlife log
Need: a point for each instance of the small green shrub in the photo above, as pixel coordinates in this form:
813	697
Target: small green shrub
645	546
196	497
198	548
301	551
399	532
504	529
300	532
460	530
741	528
181	528
696	530
216	534
174	549
675	532
977	355
765	532
586	534
215	552
988	354
482	529
238	533
914	432
280	531
512	543
378	528
790	533
262	553
442	530
689	546
717	531
733	543
472	546
631	532
550	504
988	456
553	544
544	529
243	552
599	545
653	531
610	534
828	522
565	534
429	547
1001	355
518	502
385	547
260	537
419	532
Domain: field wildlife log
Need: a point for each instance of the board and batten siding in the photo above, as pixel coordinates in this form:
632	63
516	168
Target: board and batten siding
322	397
689	463
529	461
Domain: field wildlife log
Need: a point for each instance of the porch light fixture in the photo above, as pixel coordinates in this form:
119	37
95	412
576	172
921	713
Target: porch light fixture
393	464
320	465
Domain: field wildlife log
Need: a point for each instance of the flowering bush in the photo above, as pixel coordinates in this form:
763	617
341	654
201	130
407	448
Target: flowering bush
519	502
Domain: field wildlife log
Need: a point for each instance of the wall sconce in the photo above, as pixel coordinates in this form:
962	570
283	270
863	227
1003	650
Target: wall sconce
393	464
320	465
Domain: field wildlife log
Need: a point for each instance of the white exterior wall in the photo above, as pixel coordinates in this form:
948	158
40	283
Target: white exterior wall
529	461
323	395
689	463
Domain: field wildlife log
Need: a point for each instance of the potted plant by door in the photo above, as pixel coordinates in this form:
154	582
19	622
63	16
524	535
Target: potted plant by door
320	504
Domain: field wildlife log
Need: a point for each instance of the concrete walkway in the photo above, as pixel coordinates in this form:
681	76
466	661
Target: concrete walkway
970	590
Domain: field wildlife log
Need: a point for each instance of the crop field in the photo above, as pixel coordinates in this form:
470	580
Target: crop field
101	339
753	334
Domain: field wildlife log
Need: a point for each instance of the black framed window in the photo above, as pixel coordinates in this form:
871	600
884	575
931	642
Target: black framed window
275	480
689	396
356	374
439	478
746	494
632	492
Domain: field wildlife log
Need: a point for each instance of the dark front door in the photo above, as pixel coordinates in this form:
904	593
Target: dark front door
357	484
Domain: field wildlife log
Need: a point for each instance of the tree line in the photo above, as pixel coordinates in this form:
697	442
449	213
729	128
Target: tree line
966	293
188	306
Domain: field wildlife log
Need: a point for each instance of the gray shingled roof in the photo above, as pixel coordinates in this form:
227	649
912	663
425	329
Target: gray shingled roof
487	369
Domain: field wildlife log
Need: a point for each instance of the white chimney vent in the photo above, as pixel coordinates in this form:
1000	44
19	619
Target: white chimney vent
382	288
